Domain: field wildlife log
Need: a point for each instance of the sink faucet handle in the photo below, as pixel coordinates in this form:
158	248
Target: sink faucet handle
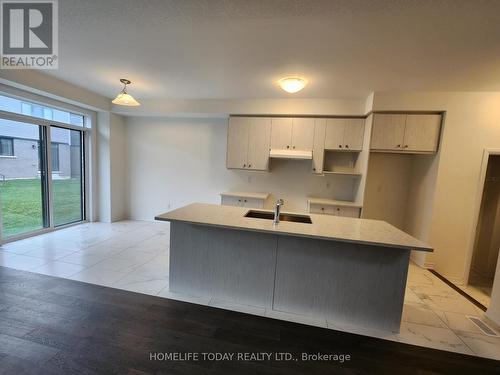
277	209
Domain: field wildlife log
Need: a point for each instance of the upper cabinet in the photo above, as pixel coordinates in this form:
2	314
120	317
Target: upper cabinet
318	145
248	143
344	134
422	133
237	142
303	133
258	143
388	132
292	133
415	133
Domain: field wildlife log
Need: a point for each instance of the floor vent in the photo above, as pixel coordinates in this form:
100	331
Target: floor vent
487	330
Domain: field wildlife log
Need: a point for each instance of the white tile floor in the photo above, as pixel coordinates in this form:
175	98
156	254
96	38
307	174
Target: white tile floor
133	255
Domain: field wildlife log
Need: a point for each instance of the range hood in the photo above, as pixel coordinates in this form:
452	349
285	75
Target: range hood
290	154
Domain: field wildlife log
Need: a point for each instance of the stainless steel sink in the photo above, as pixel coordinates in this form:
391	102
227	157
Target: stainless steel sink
283	217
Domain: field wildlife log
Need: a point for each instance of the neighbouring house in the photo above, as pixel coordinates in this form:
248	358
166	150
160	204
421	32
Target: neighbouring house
20	144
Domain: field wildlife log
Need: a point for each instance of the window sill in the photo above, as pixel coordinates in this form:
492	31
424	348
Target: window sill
7	157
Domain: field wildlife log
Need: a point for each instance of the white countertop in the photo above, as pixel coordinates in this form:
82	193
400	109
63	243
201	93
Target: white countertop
332	202
327	227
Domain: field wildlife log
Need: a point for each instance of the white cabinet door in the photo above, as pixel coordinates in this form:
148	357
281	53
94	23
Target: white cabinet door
348	211
315	208
227	200
334	138
318	145
237	142
281	133
253	203
422	133
258	143
354	132
231	201
388	132
302	134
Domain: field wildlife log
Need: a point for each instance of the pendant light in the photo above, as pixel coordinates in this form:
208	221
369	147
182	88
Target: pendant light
123	98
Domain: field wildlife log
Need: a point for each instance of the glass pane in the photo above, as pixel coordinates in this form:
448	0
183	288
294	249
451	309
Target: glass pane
6	147
37	110
22	188
67	175
54	148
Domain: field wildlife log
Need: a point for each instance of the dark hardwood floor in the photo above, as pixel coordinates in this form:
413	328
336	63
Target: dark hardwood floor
57	326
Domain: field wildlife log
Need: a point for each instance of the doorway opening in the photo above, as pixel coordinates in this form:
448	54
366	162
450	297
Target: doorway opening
487	240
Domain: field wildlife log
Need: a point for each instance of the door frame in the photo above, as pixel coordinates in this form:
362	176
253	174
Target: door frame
487	152
46	125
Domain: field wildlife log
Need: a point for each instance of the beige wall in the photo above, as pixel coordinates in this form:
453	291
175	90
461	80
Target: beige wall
119	168
220	108
400	190
112	167
472	124
51	87
421	201
174	162
387	188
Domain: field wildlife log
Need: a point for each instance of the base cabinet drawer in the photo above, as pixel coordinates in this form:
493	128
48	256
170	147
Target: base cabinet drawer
230	201
321	209
253	203
344	211
242	202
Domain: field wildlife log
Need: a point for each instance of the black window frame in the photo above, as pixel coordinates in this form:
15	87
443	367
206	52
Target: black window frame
11	146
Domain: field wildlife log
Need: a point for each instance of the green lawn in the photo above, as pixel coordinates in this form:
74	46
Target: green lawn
22	204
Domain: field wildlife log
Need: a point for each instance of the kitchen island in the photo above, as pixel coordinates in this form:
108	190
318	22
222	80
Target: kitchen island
352	271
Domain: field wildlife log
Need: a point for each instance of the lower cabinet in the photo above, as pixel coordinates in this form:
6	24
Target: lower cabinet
244	200
346	211
334	209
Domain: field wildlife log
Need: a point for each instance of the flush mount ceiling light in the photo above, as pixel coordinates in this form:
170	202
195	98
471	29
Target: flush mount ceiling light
292	84
123	98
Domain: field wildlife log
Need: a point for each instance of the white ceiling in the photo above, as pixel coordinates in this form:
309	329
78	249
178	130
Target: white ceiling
240	48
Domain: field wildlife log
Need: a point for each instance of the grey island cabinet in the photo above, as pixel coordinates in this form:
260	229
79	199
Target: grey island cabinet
347	270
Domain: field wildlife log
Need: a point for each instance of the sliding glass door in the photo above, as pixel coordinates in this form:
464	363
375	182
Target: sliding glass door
67	175
42	168
23	178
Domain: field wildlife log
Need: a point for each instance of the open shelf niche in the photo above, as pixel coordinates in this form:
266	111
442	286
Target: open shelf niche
346	168
341	163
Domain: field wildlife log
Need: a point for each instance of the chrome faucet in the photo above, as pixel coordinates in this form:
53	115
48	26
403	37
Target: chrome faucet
277	209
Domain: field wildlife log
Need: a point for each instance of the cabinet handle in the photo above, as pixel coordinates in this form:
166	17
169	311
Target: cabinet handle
406	146
239	200
314	169
338	209
249	165
398	146
287	146
293	147
245	200
322	208
244	165
340	146
346	146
